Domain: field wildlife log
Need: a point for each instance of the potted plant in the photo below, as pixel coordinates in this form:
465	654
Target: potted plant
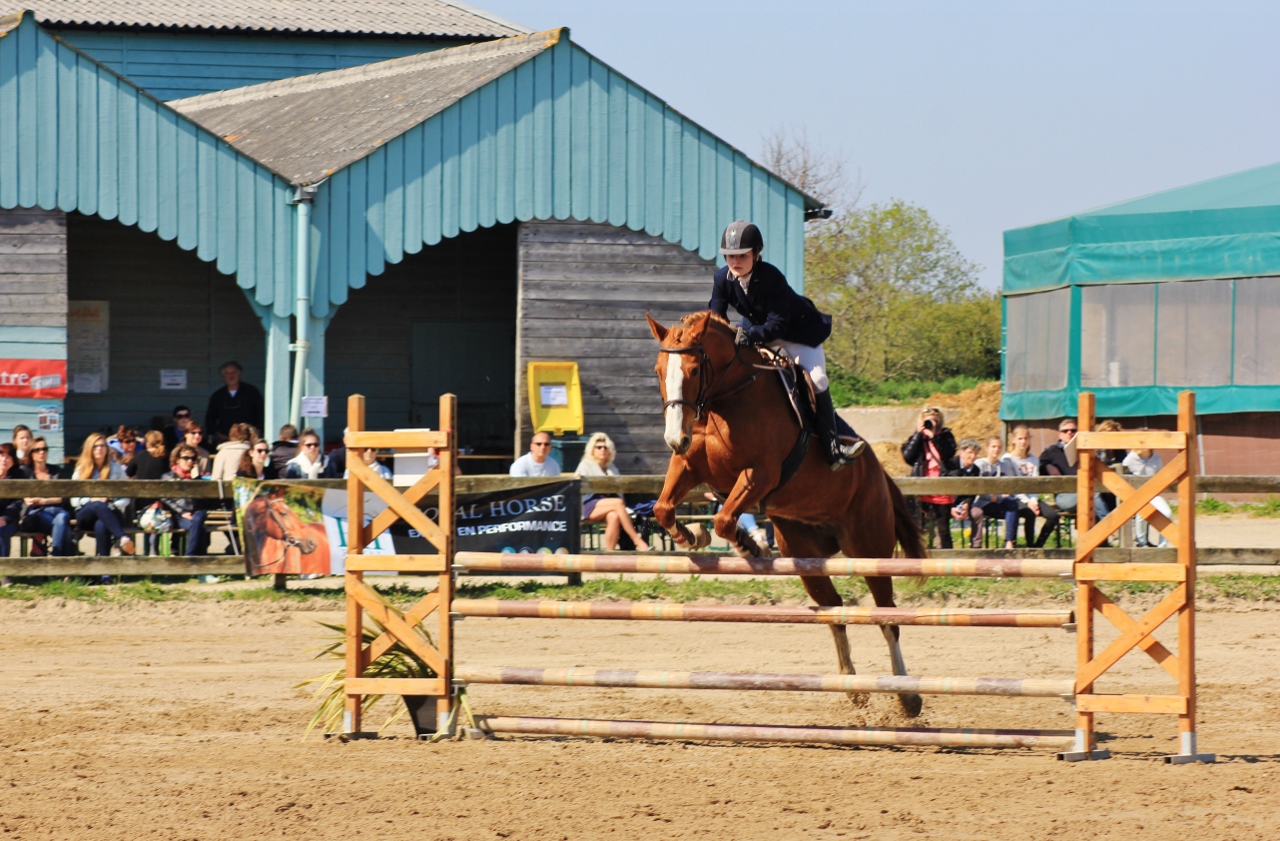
397	662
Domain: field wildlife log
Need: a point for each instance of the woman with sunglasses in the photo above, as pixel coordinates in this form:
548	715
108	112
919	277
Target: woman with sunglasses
10	509
310	462
46	514
124	446
606	508
186	515
104	516
256	462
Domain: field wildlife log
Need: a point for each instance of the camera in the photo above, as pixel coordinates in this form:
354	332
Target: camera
928	424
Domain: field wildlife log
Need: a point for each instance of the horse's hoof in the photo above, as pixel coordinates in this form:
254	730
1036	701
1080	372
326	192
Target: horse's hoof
911	704
701	536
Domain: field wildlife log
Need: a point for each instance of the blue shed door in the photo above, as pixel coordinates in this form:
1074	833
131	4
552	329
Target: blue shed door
476	361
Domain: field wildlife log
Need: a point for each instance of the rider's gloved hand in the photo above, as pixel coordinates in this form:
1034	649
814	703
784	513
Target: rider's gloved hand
741	338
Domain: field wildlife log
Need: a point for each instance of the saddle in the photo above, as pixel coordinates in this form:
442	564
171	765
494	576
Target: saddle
803	399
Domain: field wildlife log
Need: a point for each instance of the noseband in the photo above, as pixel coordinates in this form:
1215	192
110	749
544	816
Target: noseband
706	384
290	538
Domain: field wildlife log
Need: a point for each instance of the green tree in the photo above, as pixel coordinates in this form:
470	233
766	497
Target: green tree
906	302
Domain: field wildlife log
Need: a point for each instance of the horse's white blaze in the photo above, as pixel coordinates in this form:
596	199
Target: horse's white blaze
675	414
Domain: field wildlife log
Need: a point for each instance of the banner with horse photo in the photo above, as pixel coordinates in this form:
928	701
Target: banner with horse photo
545	518
282	528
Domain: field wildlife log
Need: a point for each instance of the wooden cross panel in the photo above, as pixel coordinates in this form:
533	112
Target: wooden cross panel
399	628
1136	633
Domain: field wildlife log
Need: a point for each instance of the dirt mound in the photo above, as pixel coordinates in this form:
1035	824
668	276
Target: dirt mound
890	455
979	415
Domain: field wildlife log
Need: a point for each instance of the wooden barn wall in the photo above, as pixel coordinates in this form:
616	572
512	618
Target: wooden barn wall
33	302
369	345
584	292
175	65
168	310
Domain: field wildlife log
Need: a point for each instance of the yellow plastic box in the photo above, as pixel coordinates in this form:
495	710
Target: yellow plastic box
555	397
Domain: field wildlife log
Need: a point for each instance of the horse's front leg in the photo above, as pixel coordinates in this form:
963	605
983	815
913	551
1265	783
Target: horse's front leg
752	486
680	480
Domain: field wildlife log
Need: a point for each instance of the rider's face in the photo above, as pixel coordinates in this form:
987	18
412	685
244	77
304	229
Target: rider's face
740	264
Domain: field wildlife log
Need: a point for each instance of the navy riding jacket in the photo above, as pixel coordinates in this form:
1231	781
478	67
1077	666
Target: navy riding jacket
771	310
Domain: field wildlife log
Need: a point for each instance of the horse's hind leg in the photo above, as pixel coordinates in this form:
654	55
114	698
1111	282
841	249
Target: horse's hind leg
882	591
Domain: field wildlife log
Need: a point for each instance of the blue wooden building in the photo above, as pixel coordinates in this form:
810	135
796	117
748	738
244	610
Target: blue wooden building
398	204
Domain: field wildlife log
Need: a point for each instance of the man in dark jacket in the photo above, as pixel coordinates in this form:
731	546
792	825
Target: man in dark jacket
774	314
284	449
236	402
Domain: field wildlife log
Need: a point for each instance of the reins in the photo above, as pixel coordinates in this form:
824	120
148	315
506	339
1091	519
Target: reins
706	386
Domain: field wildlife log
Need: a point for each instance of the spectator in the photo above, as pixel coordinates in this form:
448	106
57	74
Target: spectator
967	507
746	521
46	514
1025	464
21	441
1147	463
174	433
186	515
105	516
310	463
538	461
191	438
284	449
1054	462
227	462
606	508
236	402
124	446
1003	506
149	463
256	463
370	457
1105	503
10	509
930	452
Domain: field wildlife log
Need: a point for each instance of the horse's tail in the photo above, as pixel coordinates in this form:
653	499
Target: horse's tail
905	527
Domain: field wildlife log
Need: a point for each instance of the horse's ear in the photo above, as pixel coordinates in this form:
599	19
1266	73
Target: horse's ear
659	332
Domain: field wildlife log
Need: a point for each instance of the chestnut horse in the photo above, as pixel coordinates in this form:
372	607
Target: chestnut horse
278	541
730	425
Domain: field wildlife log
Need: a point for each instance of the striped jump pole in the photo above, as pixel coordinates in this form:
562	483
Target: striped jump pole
781	614
729	565
657	679
935	737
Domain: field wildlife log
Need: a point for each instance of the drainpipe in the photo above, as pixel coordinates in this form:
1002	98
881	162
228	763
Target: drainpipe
302	199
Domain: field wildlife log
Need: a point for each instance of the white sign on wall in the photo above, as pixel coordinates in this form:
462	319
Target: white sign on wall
88	346
173	379
315	407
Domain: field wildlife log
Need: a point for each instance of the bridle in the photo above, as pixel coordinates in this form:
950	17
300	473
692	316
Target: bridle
290	539
707	382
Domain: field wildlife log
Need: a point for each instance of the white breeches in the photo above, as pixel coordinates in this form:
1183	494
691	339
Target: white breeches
812	359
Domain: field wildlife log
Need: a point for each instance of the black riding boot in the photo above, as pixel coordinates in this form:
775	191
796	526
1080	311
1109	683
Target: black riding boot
836	453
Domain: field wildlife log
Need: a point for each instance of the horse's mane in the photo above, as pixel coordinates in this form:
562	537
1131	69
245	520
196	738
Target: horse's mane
711	316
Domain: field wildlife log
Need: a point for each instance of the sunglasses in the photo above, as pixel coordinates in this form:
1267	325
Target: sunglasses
1072	431
182	415
186	458
40	449
542	443
261	450
311	446
602	446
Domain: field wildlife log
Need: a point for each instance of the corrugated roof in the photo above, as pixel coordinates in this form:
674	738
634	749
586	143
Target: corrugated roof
308	127
446	18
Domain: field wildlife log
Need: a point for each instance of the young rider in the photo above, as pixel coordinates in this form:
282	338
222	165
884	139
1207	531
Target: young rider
776	315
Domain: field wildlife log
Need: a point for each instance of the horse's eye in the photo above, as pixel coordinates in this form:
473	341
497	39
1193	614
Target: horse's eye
693	372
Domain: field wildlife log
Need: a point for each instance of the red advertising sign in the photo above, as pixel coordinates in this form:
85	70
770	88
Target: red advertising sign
33	378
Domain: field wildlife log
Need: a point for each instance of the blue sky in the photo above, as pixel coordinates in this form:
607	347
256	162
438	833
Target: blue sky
990	115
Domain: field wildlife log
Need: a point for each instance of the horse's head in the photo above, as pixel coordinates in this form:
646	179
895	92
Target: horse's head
283	524
690	355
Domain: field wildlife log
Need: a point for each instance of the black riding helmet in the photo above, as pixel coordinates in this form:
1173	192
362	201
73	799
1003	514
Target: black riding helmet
741	237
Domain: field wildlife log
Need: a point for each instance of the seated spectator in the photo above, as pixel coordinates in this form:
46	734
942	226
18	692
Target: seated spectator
105	516
192	438
1054	462
1002	506
310	463
284	449
256	462
1025	464
746	521
10	509
187	515
230	452
967	507
930	452
370	457
1105	503
606	508
538	461
1147	463
175	433
21	441
149	463
124	446
46	514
